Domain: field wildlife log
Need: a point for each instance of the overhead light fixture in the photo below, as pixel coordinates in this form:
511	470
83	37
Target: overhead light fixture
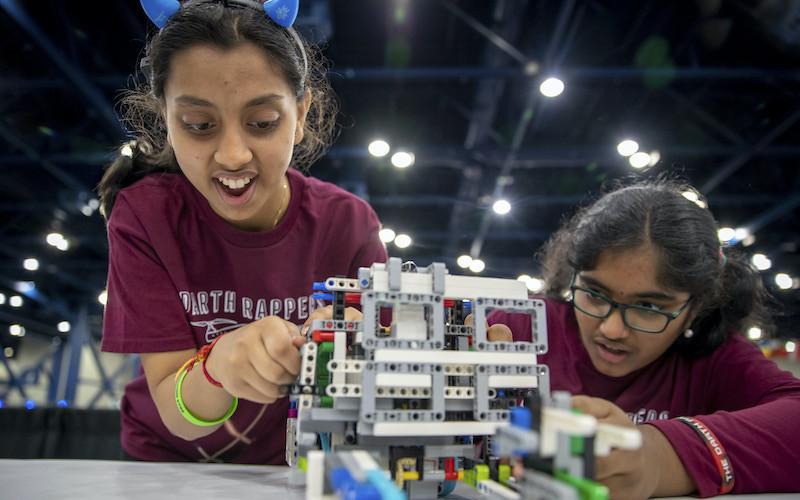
726	234
464	261
761	261
784	281
378	148
551	87
477	265
103	297
501	207
386	235
30	264
54	238
627	147
403	241
639	160
64	326
15	301
403	159
754	333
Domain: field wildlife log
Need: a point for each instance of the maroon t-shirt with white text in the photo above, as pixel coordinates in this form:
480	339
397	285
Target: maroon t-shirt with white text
751	405
179	276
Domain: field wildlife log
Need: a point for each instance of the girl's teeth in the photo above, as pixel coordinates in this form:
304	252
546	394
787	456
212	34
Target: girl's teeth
235	183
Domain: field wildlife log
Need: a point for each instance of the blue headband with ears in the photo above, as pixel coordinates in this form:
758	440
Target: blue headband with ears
283	12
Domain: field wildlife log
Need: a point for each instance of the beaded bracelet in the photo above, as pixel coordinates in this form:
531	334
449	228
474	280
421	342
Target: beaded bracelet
185	411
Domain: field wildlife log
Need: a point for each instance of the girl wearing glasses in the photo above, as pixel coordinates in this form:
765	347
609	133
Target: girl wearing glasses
650	336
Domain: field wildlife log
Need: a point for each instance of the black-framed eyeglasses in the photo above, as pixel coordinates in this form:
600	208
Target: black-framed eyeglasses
639	318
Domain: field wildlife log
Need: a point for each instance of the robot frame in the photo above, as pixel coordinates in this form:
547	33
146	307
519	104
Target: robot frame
409	409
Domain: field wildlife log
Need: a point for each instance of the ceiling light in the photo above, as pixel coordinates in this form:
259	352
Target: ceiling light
386	235
627	147
477	265
403	241
30	264
15	301
784	281
741	233
63	245
655	157
523	277
639	160
535	285
754	333
63	326
790	346
761	261
551	87
16	330
54	238
402	159
378	148
501	207
103	297
464	261
726	234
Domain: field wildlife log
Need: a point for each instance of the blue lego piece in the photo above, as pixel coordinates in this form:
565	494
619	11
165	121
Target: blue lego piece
319	286
521	417
387	489
322	296
447	487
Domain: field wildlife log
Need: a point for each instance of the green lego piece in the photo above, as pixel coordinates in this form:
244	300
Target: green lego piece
323	378
326	402
503	473
302	464
587	489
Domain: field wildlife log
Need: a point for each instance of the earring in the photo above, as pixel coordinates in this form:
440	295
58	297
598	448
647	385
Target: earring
689	333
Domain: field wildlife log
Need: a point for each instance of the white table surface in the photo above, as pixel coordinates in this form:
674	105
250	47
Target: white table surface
122	480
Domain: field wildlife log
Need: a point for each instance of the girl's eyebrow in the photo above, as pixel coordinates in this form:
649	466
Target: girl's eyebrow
650	294
256	101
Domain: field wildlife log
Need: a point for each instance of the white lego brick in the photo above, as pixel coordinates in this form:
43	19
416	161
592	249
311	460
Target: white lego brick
346	366
614	436
402	380
343	390
403	392
459	370
409	322
513	381
493	489
342	285
555	420
308	365
364	460
456	392
455	357
436	428
315	474
339	354
455	287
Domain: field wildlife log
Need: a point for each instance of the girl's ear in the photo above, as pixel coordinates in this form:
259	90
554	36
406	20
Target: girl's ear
303	106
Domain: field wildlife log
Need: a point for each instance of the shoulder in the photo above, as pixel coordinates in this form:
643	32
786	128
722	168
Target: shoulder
327	198
153	200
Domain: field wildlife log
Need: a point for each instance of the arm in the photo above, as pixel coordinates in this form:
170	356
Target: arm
751	410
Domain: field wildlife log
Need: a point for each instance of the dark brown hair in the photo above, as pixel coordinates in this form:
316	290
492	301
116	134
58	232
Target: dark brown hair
726	293
224	26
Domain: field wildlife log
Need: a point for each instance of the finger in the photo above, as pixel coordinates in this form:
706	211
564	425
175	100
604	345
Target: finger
319	313
352	314
268	369
243	390
279	345
499	333
469	320
597	407
264	377
611	465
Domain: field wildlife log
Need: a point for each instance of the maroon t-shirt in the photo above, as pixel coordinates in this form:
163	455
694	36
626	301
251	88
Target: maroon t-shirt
751	405
179	276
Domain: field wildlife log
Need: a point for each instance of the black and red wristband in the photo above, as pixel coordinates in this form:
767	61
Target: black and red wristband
718	453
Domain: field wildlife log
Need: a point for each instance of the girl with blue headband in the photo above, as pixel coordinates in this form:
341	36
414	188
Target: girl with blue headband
215	237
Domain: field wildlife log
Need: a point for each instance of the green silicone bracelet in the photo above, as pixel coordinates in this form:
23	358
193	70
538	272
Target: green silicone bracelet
188	415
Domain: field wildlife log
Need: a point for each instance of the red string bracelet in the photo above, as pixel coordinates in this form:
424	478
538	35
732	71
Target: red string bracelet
202	356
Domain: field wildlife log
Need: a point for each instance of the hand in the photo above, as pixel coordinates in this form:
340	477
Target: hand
257	361
350	314
629	474
495	333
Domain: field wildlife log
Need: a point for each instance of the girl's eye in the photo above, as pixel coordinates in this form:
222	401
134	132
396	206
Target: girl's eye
264	124
649	305
198	127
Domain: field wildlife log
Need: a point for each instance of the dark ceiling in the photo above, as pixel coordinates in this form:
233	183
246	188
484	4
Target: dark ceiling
712	85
